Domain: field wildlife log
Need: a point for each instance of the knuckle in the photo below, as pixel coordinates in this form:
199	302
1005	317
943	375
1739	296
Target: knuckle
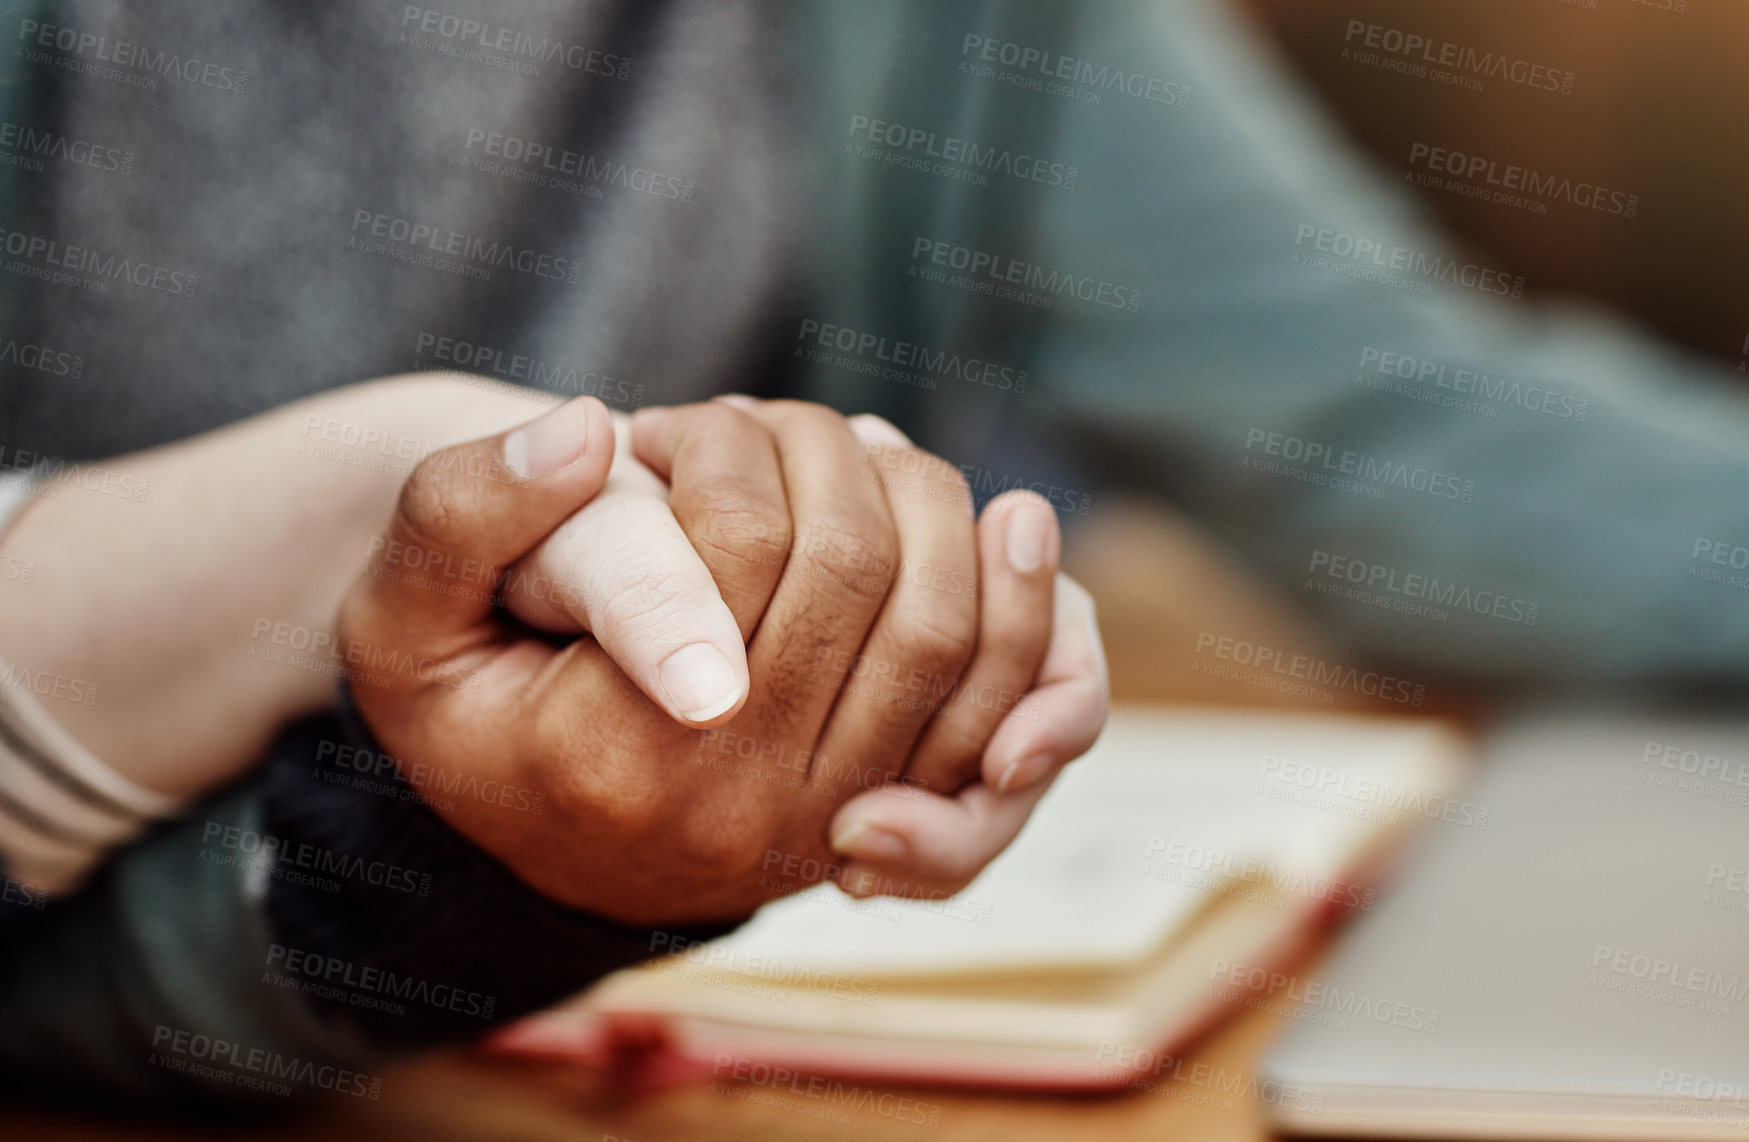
1015	640
434	511
722	844
938	639
806	415
744	525
627	808
649	593
713	418
1017	636
945	474
923	475
613	795
861	558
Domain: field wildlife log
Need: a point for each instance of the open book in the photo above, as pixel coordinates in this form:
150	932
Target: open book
1157	885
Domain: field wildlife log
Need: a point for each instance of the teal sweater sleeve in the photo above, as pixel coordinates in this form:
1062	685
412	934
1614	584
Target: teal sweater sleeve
1246	318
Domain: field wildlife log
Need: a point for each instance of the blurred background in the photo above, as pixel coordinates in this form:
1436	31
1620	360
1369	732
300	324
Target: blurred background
1655	112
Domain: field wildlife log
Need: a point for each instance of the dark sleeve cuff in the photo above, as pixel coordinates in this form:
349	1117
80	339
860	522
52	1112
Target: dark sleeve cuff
396	927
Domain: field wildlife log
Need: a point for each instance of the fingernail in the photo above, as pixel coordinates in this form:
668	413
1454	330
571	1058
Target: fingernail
1024	772
699	682
550	444
871	429
1029	526
864	841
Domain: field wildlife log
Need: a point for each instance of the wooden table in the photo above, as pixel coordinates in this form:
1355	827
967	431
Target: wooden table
456	1098
1125	558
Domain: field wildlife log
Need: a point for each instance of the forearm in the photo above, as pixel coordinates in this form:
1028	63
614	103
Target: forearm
177	605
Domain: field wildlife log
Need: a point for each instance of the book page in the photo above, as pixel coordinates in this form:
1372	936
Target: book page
1168	810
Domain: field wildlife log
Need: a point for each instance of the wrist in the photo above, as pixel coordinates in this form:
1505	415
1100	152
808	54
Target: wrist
415	908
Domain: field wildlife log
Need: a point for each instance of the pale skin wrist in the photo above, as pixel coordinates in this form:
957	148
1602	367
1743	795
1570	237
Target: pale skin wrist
163	582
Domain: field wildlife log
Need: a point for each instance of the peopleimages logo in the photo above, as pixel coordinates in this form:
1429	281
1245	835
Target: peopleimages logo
993	271
1082	80
962	159
1733	771
815	1096
47	684
1369	469
1160	1072
64	263
1358	1005
1285	779
545	159
1373	578
31	145
1394	49
41	359
766	969
453	251
432	351
271	854
139	65
1228	867
1358	250
1260	661
335	978
1660	972
1510	177
894	359
240	1064
467	38
1469	383
54	475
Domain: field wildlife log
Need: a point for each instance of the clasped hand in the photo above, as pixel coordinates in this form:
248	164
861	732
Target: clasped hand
726	641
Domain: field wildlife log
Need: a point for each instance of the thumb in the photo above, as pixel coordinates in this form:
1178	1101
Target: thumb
469	511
